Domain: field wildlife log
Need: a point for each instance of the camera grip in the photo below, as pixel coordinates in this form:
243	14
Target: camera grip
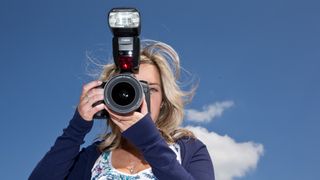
103	114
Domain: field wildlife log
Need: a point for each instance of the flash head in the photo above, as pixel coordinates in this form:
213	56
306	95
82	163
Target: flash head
125	25
124	22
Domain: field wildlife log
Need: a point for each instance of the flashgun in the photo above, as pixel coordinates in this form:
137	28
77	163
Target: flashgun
126	26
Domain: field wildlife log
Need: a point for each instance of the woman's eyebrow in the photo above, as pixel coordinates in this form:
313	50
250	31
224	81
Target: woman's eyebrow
157	84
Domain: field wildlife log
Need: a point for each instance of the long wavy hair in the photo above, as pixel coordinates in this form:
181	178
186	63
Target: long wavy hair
167	61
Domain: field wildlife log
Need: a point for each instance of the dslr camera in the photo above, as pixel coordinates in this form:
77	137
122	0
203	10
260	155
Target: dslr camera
123	93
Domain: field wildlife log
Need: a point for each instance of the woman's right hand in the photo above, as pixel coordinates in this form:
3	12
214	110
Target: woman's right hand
90	95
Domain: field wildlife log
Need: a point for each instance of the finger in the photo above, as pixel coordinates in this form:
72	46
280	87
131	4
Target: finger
112	114
89	86
144	107
118	123
95	109
95	91
87	114
84	100
88	104
96	95
118	117
132	117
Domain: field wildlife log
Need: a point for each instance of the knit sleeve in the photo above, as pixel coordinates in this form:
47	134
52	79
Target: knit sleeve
196	158
58	161
146	137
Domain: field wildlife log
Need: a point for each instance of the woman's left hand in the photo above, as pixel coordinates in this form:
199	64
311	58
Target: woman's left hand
126	121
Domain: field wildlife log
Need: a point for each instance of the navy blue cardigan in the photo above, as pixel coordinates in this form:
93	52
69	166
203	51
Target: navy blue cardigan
64	161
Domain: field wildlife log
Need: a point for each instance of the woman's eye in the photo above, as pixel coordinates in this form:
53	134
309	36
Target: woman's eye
153	90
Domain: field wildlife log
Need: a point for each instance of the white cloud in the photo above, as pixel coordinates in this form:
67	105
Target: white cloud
209	112
231	159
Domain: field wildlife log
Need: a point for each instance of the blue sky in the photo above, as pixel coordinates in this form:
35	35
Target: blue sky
262	56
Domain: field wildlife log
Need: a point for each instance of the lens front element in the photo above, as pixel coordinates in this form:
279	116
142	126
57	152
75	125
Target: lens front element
123	94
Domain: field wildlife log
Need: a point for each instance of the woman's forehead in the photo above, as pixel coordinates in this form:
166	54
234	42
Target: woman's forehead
149	73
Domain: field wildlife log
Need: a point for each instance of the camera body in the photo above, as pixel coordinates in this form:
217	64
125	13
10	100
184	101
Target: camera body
123	93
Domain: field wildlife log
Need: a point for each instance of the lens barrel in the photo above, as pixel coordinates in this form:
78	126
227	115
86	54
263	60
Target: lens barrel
123	93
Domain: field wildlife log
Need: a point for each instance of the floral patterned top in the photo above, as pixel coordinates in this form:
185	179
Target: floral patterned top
103	169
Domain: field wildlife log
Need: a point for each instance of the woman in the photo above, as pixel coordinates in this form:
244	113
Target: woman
141	145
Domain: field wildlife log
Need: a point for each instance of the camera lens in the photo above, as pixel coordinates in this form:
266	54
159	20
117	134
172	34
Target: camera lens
123	94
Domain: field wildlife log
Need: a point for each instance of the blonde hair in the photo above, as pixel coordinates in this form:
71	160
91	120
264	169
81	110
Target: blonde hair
167	61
